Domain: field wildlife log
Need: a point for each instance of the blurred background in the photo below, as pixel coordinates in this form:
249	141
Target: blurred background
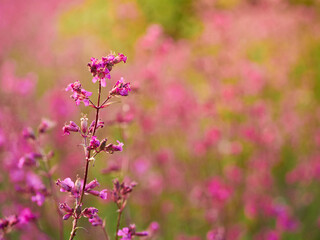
221	130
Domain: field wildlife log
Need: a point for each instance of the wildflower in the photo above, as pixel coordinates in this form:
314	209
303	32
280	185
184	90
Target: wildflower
67	209
66	185
100	69
111	148
104	194
121	191
89	212
8	222
94	183
94	143
28	133
45	125
120	88
71	127
96	221
38	198
26	216
100	124
79	94
30	159
128	233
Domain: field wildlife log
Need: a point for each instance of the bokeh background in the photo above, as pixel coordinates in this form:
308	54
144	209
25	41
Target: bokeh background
221	130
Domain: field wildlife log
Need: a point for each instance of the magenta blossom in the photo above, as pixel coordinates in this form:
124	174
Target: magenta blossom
71	127
94	143
120	88
111	148
30	159
128	233
38	198
67	209
100	124
96	221
100	69
26	216
79	94
89	212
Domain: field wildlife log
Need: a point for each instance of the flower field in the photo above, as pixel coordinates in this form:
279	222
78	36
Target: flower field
160	120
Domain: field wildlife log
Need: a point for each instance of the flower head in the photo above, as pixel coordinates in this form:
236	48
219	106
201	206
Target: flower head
121	88
79	94
96	221
89	212
67	209
94	143
71	127
128	233
111	148
66	185
100	69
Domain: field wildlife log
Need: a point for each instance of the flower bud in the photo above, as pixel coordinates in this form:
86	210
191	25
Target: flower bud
84	124
103	144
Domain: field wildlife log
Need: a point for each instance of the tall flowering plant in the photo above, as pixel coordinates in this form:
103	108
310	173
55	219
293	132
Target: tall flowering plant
92	146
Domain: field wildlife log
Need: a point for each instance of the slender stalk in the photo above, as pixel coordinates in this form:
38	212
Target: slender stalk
55	199
118	223
105	233
105	101
75	221
52	188
74	229
97	113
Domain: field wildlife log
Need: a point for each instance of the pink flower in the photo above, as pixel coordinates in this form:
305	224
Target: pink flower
94	143
96	221
100	69
66	185
38	198
71	127
67	209
79	94
89	212
120	88
128	233
111	148
91	185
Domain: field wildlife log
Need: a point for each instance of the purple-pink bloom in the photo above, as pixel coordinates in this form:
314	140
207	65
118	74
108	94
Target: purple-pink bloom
66	185
100	69
120	88
104	194
67	209
38	198
111	148
100	124
26	216
94	143
125	234
79	94
91	185
96	221
45	125
89	212
71	127
128	233
29	159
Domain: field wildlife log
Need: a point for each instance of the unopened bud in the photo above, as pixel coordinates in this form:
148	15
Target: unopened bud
103	144
84	124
